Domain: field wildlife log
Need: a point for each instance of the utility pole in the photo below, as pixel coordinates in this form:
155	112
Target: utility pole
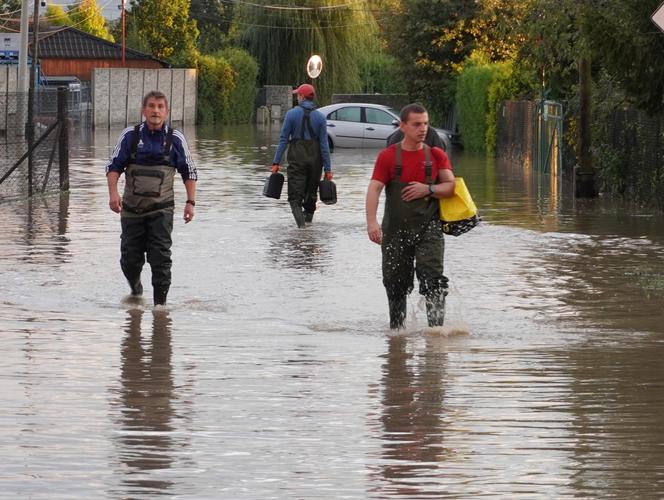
123	33
31	91
22	84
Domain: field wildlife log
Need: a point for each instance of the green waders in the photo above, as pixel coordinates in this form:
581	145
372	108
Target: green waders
147	222
305	166
412	234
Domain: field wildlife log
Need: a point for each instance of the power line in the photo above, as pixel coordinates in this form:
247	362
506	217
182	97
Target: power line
294	7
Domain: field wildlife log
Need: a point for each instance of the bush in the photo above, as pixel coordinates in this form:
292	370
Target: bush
480	90
472	105
226	87
242	96
380	74
216	81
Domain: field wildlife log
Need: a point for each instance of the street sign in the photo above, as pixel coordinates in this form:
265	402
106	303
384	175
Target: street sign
314	66
658	17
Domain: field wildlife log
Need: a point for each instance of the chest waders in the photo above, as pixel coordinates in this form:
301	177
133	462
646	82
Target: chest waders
147	220
305	165
412	243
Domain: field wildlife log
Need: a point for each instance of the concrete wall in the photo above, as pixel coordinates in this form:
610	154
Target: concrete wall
117	94
278	97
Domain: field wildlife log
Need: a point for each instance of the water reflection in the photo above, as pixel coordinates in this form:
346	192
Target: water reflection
295	248
413	407
41	230
146	397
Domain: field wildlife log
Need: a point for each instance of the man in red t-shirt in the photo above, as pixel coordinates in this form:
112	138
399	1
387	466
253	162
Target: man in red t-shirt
415	177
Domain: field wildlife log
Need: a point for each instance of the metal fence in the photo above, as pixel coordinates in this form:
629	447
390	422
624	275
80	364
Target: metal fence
628	152
530	133
33	160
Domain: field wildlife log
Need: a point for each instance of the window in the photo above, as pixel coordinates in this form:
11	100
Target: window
346	115
378	116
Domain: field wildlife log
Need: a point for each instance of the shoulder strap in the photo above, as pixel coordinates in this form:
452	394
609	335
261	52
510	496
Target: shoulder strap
169	141
397	163
306	122
427	164
134	143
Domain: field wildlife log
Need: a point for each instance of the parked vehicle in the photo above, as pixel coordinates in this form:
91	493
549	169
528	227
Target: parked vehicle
365	125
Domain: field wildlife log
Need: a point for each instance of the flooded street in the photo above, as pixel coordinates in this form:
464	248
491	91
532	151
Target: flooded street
272	374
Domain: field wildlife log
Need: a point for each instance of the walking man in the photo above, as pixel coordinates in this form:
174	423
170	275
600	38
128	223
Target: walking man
415	177
149	154
305	133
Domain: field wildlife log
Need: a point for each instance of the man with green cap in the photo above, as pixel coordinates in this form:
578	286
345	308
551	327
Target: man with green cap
415	177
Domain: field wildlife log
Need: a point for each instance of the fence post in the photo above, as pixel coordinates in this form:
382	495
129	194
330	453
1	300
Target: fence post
63	139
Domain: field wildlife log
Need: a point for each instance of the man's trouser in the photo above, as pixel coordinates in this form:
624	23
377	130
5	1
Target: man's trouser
406	253
147	234
304	171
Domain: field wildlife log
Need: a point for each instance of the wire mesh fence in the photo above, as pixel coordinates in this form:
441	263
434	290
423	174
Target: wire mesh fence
628	148
33	160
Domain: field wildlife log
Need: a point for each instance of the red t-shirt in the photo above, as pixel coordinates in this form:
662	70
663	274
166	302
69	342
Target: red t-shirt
412	163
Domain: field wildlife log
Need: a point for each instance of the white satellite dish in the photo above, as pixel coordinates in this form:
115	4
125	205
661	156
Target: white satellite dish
314	66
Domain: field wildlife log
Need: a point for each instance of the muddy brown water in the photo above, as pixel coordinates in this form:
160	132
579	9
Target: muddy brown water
272	373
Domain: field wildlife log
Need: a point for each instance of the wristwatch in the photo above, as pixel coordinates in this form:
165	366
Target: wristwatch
431	191
191	202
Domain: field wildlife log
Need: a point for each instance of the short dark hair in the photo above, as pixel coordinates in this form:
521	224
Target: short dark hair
411	108
154	94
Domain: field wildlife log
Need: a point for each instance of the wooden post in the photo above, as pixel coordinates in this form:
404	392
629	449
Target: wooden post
585	175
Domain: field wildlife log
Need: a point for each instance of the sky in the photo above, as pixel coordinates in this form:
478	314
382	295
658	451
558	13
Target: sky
110	8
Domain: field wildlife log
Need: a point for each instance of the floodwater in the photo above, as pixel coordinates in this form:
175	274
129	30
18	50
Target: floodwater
272	373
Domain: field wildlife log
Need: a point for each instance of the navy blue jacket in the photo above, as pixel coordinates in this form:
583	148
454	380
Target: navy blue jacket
150	150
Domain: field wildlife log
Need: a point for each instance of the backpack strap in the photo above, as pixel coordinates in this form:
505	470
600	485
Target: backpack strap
306	122
134	143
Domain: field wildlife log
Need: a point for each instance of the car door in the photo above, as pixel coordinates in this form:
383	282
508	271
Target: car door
379	124
346	127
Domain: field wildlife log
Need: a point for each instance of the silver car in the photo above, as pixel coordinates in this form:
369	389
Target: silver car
364	125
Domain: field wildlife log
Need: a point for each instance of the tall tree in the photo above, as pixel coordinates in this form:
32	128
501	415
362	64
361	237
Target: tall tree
214	20
417	30
166	27
283	35
87	16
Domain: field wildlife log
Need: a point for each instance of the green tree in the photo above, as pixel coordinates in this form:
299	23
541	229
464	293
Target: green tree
418	31
87	16
214	19
166	28
283	35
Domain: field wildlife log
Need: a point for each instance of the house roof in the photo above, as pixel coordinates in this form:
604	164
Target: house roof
72	43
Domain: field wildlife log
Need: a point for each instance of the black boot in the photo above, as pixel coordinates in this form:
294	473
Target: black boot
397	312
136	287
436	309
160	292
308	217
298	214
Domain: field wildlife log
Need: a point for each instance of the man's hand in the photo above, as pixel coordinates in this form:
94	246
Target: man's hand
414	190
115	202
275	168
188	212
328	175
375	232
